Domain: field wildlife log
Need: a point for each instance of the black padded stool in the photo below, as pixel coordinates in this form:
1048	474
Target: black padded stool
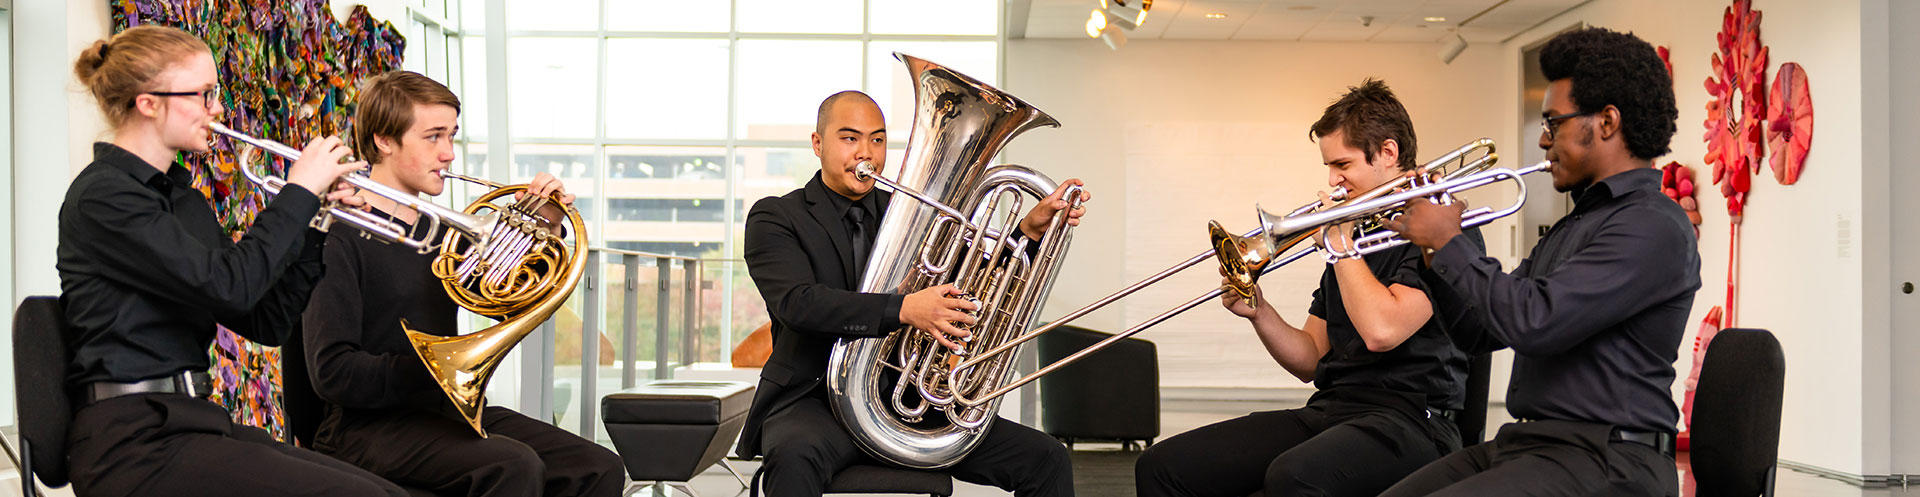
667	431
880	479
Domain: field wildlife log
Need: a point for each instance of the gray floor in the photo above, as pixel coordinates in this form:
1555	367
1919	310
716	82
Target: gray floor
1106	471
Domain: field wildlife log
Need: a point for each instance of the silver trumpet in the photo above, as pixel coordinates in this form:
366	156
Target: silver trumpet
476	228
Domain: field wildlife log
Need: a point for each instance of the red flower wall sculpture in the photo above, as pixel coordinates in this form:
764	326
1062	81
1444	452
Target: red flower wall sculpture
1677	182
1739	90
1789	122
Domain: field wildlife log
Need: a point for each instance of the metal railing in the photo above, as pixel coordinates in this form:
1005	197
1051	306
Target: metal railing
689	288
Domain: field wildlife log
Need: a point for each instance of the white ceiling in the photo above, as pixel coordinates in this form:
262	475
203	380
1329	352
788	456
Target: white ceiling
1304	20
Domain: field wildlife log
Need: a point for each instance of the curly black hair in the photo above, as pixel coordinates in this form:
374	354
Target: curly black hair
1618	69
1370	115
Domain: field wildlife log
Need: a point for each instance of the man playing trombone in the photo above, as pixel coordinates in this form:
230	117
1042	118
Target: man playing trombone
384	412
1595	314
1389	380
806	251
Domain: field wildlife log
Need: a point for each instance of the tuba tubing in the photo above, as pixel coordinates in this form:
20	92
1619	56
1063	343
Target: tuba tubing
959	124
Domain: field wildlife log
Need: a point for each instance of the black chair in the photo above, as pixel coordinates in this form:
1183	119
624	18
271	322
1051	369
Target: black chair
40	359
877	479
1736	414
1113	394
302	404
1472	420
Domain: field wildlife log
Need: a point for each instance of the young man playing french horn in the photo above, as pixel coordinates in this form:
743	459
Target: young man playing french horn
384	412
1389	380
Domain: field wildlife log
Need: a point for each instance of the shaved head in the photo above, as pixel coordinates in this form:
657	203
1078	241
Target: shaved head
826	106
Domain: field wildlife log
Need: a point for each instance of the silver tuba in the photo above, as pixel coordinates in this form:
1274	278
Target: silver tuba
949	222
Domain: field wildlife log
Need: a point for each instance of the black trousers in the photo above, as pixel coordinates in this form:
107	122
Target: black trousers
520	457
1345	442
1548	458
805	446
173	444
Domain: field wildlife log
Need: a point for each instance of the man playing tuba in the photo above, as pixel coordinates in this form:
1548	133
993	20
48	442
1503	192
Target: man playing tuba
806	251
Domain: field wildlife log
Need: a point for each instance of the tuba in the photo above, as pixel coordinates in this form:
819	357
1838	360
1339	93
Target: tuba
498	258
950	221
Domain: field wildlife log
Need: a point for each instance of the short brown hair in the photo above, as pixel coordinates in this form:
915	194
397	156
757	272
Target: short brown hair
118	69
1370	115
386	108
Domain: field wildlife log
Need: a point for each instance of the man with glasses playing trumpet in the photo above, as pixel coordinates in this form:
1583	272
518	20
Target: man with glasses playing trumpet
1596	313
1389	380
384	412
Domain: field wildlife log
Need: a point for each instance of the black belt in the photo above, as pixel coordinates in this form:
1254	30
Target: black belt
195	384
1659	440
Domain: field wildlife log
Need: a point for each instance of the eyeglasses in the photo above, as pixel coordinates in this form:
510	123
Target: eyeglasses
1547	125
208	97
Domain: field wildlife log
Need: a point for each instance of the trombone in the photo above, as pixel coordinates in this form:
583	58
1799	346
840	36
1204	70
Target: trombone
475	227
1244	258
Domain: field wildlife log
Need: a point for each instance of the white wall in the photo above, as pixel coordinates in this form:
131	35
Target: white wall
1171	134
1802	274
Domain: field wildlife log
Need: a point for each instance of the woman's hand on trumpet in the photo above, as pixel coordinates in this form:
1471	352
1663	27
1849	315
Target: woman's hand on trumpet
320	168
1037	220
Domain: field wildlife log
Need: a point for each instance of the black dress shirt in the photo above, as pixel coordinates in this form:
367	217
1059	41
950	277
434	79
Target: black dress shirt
1427	363
146	270
1595	314
360	360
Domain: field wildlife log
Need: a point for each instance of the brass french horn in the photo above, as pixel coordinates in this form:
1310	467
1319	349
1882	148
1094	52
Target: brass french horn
498	259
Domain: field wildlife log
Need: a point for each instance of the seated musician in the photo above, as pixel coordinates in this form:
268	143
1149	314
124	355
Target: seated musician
1389	380
384	412
806	251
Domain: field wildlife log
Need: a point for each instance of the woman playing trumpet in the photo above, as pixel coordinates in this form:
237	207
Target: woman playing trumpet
146	272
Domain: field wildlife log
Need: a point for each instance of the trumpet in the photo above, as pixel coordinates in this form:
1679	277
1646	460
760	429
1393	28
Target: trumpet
421	237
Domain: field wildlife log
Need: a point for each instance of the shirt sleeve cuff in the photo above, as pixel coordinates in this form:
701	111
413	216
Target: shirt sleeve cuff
890	320
298	200
1453	258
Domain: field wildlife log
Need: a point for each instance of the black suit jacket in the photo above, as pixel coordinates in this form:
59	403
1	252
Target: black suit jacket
800	256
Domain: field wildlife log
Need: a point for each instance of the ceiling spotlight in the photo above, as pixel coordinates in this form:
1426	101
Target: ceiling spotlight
1216	15
1452	48
1114	37
1114	18
1436	19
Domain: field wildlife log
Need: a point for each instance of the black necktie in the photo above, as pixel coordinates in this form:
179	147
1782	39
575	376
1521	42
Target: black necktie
856	226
